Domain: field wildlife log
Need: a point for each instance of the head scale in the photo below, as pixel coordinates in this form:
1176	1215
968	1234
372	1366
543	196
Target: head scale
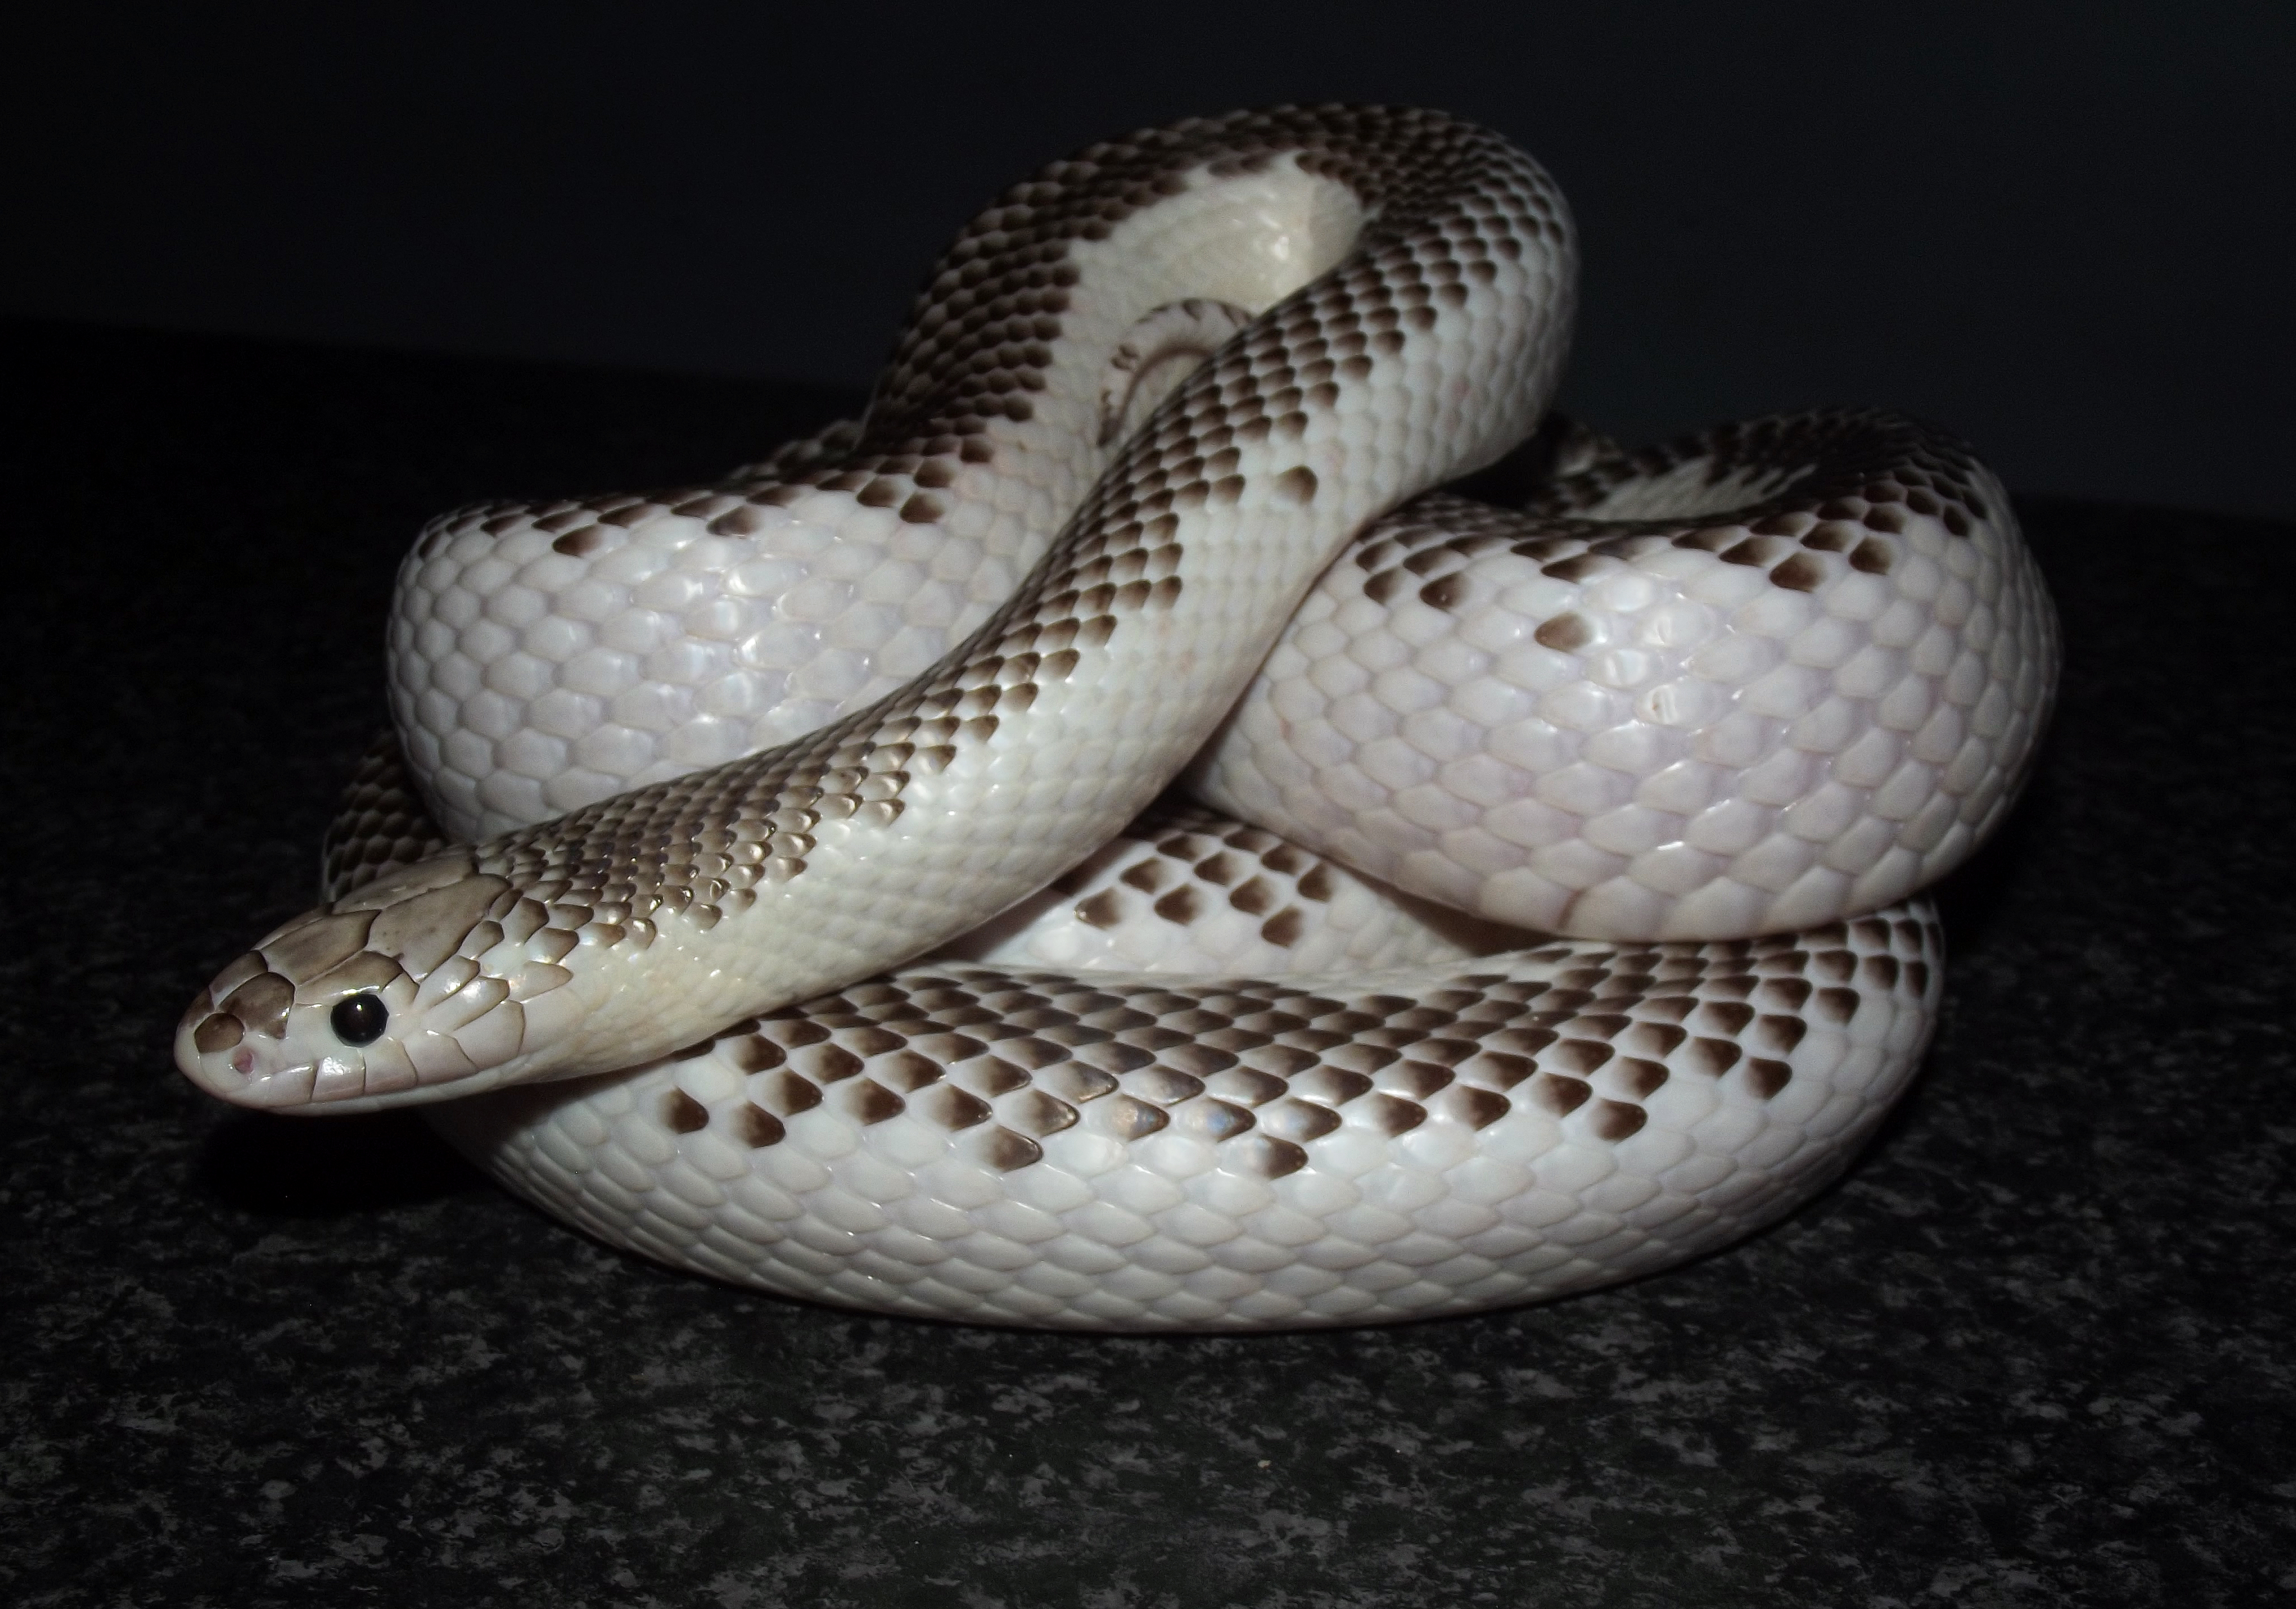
421	986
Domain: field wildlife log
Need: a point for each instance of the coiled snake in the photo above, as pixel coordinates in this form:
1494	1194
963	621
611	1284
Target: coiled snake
710	768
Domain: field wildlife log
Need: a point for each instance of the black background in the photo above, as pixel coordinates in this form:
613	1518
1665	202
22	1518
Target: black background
2062	229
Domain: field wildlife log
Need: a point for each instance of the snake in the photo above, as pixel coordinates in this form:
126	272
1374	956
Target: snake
1164	822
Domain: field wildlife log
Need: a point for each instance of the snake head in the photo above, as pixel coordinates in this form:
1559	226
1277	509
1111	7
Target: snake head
408	989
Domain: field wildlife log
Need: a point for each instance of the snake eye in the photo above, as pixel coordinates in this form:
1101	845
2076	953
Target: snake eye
359	1020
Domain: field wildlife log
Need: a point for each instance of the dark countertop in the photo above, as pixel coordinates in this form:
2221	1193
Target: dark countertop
2030	1352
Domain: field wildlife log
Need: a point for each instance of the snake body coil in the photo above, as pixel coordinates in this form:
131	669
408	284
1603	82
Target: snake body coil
745	749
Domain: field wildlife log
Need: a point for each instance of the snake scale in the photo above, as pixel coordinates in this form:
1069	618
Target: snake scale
779	878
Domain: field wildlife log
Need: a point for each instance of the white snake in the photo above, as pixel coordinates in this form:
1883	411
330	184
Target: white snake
1717	710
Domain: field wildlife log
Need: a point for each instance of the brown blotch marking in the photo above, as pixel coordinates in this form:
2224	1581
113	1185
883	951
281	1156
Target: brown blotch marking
1282	929
830	1064
1766	1077
1476	1108
1296	485
1041	1113
1391	1115
1875	558
1780	1034
1168	1086
1496	1067
952	1108
995	1076
1881	972
1581	567
1355	1057
1564	633
315	946
261	1003
1917	976
1221	1121
1180	905
1616	1120
1446	592
1298	1118
950	1047
1252	898
1195	1061
1131	1119
1148	876
1639	1077
683	1114
1713	1057
795	1094
1110	1056
1582	1057
1654	1038
1033	1052
1729	1016
1265	1155
1254	1085
1382	586
1317	884
1417	1080
1079	1083
1103	909
1837	1004
218	1032
1522	1041
589	540
1006	1152
1560	1095
872	1103
757	1128
1786	994
1800	573
908	1071
1220	868
872	1041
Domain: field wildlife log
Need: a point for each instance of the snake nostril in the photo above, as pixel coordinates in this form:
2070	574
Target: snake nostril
359	1020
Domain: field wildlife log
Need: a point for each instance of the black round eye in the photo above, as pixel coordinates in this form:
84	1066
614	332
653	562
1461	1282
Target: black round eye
359	1020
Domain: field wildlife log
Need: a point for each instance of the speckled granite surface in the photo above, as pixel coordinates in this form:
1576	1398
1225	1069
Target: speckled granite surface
2032	1352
